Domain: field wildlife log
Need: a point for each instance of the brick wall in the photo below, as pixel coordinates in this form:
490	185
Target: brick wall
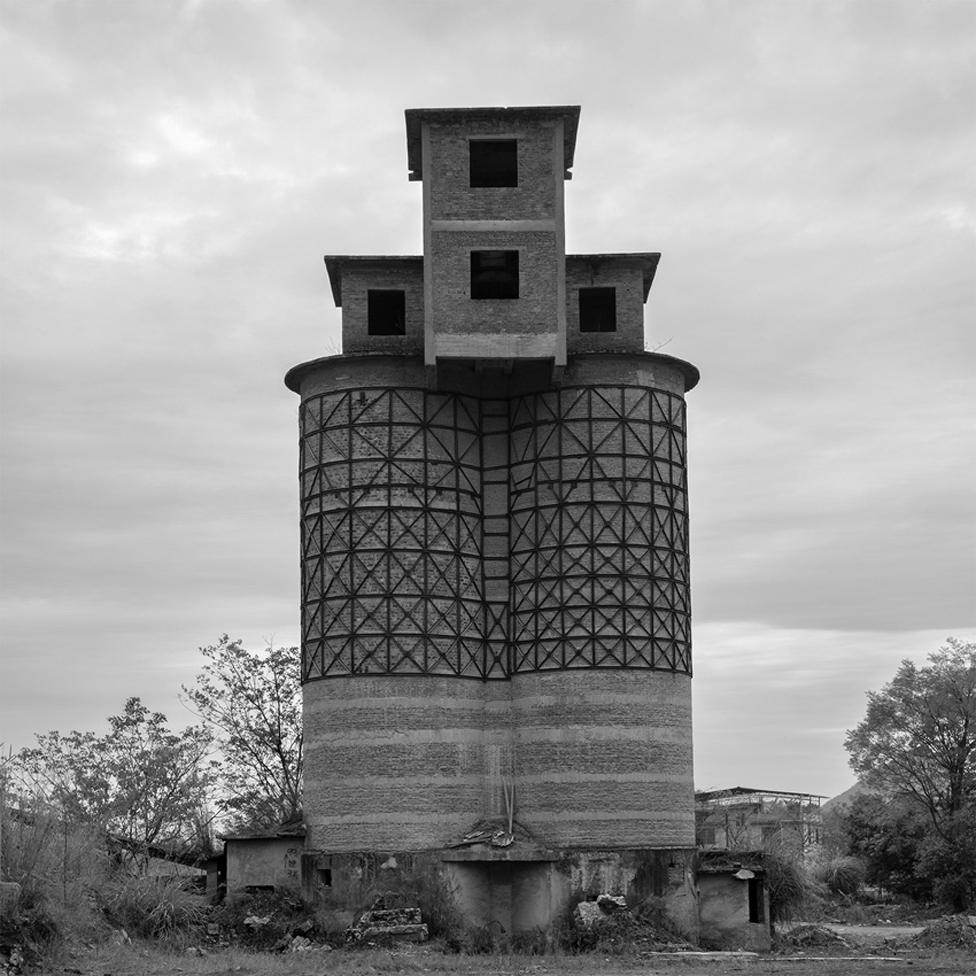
453	309
628	282
357	280
447	170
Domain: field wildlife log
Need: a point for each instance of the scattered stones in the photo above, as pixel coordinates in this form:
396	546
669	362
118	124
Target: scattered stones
13	964
399	924
256	921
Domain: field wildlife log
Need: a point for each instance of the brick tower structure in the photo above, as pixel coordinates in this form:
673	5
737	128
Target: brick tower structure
495	594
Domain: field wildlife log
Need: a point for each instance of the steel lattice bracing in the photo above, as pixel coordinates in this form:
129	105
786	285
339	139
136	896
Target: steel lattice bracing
599	537
400	557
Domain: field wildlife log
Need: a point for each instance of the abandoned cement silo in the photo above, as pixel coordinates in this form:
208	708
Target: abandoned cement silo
495	594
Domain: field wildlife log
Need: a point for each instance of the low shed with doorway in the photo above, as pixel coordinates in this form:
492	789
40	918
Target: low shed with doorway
734	901
269	859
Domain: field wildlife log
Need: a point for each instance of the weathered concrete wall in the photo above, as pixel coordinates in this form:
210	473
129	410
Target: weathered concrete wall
262	862
512	897
724	913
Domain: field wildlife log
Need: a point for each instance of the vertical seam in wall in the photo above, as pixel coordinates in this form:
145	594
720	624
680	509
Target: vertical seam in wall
430	353
559	175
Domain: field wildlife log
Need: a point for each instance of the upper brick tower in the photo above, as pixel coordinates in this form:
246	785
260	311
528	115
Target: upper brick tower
494	230
495	302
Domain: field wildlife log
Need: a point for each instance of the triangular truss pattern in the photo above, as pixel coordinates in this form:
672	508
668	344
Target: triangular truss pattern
400	574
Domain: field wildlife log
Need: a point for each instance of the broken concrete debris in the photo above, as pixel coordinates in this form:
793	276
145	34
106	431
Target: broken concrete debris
399	924
588	913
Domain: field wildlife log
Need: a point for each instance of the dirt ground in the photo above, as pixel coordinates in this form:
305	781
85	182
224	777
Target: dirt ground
141	960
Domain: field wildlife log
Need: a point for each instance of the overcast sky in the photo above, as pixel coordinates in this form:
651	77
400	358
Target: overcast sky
173	172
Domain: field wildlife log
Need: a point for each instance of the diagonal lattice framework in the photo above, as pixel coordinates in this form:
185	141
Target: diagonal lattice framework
395	573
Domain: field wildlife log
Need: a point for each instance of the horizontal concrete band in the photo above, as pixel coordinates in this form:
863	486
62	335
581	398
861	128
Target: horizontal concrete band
436	761
337	735
367	818
401	783
495	699
505	226
666	798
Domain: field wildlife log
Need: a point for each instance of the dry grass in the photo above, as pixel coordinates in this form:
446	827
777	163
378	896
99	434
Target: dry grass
146	960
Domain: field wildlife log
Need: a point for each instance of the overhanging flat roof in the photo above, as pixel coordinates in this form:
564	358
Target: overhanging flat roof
415	117
334	264
646	261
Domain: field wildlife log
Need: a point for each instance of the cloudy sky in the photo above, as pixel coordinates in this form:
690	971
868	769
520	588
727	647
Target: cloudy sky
173	171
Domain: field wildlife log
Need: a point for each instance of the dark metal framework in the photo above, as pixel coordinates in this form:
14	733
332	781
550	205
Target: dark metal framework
402	563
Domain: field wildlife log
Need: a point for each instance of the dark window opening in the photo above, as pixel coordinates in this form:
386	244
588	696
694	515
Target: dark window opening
325	877
598	309
493	162
756	900
494	274
386	312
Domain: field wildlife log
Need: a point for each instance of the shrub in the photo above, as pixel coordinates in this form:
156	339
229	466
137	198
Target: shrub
153	908
283	907
842	875
59	867
791	889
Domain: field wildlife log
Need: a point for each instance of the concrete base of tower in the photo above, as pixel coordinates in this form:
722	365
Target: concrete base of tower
510	898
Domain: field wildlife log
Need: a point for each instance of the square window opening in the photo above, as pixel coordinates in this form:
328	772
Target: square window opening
494	274
598	309
386	312
493	162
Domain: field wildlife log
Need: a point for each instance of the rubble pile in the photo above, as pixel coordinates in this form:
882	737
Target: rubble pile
396	924
608	924
948	932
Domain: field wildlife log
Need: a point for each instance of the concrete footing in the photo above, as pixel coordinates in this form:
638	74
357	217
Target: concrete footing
510	893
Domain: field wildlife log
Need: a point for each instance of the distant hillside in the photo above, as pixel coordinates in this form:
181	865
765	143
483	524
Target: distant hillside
839	803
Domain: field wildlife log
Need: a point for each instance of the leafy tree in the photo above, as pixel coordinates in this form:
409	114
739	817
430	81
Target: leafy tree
888	836
142	783
918	738
917	743
253	704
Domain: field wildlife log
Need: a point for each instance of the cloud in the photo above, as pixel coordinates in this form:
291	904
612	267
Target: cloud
173	172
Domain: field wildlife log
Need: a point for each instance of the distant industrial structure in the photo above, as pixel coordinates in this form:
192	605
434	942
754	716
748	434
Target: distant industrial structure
494	538
743	818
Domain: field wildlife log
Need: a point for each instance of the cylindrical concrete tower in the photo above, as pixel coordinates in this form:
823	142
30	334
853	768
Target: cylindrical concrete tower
495	574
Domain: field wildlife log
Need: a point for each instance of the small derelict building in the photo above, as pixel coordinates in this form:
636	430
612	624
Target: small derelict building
496	635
